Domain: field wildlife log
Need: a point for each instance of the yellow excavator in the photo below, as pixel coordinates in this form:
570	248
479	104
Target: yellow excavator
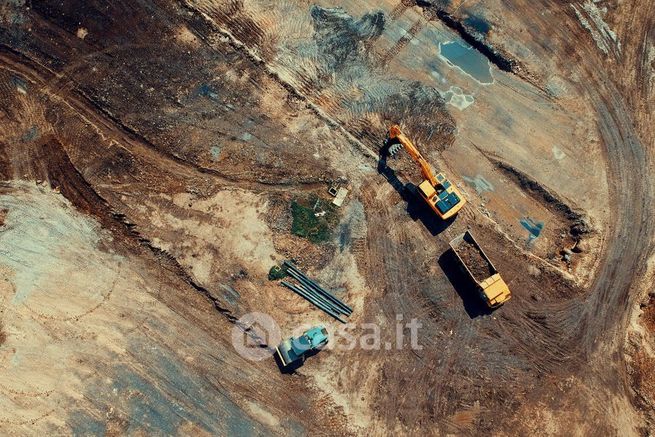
438	192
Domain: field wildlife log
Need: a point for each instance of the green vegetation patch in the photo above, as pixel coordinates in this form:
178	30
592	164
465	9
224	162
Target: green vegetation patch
276	273
306	223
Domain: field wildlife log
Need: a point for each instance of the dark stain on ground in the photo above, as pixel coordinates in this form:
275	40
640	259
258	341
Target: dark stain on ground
119	165
478	24
5	169
30	134
339	36
423	112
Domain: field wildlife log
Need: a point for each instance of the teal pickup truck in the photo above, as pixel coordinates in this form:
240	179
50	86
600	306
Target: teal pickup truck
295	349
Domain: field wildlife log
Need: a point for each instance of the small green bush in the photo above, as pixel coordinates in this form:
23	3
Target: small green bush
276	273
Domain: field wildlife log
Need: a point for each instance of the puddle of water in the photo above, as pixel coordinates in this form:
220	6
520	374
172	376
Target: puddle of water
479	183
470	61
478	24
533	227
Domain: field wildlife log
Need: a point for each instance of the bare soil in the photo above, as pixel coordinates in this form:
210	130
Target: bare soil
644	365
150	153
648	314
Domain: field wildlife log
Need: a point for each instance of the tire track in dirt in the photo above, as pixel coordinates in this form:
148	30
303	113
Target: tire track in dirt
559	318
383	59
210	14
602	316
609	304
50	161
117	133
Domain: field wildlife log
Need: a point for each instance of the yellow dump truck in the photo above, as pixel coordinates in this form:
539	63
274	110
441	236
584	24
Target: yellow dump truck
477	265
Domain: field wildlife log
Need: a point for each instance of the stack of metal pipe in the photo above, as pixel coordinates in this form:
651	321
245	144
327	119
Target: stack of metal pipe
314	293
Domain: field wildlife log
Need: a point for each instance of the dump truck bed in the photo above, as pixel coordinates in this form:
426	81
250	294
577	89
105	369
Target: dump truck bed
479	267
472	256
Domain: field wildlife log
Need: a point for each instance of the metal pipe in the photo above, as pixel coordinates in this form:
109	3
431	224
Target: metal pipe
311	289
313	301
343	308
319	297
315	285
309	286
307	296
293	269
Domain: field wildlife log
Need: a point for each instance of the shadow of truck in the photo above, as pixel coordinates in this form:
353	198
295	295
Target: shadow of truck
466	288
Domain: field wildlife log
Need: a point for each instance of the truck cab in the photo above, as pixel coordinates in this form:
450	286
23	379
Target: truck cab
296	349
495	291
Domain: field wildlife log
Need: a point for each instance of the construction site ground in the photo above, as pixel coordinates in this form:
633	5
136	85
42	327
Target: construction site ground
152	152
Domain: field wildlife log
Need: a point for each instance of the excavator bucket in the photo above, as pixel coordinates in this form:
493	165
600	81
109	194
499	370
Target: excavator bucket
395	148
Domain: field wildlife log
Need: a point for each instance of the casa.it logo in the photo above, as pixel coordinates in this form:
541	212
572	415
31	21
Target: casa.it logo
255	336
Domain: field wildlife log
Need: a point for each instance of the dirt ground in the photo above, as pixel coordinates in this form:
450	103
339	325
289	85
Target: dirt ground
150	155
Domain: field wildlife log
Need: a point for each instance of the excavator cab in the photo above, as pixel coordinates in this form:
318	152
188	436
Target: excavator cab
442	197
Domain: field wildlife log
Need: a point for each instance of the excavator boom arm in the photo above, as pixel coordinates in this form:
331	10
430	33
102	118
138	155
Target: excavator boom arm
426	169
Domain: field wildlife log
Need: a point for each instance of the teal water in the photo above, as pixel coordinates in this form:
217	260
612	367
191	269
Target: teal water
469	60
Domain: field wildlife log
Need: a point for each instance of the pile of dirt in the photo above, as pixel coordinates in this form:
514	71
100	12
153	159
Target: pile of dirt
475	261
3	214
